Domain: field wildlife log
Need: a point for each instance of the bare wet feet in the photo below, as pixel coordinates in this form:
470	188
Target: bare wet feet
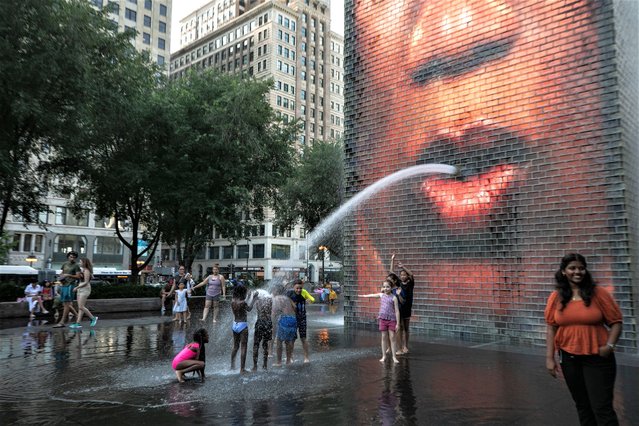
306	360
180	376
383	360
395	360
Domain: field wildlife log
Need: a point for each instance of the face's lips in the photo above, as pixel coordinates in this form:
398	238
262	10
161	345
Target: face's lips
490	161
476	196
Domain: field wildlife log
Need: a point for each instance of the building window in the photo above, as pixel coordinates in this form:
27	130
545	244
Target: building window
258	251
227	252
161	43
130	14
162	10
98	3
214	253
147	21
146	38
148	4
107	245
280	251
243	251
66	243
60	215
160	60
162	27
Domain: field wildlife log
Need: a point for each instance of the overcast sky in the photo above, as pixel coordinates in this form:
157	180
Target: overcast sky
182	8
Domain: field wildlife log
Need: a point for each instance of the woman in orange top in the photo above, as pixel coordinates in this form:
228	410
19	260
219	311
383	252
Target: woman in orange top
584	324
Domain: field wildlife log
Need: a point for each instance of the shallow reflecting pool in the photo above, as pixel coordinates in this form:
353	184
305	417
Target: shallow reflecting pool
120	372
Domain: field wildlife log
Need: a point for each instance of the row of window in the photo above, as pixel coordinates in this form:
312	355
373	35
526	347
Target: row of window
64	216
286	22
148	5
285	102
34	243
285	67
285	87
241	251
285	52
286	37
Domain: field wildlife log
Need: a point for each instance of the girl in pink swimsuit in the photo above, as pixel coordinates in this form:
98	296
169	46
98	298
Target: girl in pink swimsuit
192	357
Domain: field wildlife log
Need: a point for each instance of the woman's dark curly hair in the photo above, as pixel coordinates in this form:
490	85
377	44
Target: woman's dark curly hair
586	288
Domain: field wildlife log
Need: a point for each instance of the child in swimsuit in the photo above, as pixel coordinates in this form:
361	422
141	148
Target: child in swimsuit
284	314
240	307
263	328
192	357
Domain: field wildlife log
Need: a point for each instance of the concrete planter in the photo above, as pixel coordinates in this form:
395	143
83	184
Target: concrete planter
19	309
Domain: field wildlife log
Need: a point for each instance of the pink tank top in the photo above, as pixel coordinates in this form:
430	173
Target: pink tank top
387	307
189	352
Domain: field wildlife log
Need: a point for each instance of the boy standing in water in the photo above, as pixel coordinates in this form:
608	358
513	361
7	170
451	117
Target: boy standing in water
300	313
284	315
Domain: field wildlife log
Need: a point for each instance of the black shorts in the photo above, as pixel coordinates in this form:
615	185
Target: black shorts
263	330
301	326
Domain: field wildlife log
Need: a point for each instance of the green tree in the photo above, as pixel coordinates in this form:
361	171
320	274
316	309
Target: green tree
228	155
52	56
116	172
314	189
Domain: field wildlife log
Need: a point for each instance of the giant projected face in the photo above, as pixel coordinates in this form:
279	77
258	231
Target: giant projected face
507	91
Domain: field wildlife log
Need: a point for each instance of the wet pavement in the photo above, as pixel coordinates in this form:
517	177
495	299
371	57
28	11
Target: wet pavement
120	373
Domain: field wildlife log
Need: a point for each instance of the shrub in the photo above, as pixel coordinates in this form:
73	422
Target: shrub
10	292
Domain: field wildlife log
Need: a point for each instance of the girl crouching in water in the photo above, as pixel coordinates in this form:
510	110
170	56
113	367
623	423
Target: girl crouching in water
388	318
192	357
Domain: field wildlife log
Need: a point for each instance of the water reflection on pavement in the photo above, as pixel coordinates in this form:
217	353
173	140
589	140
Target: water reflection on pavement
120	372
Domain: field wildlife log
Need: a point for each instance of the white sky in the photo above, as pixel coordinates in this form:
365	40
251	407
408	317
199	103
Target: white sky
182	8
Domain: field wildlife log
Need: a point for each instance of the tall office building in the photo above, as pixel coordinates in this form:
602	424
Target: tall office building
90	235
291	43
150	18
337	86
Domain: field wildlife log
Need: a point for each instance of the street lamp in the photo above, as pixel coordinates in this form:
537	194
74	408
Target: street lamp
31	258
323	249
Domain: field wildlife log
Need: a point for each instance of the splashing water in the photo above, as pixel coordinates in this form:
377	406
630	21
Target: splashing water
327	225
263	293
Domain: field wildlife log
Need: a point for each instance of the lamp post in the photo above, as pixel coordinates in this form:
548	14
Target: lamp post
323	249
140	262
31	259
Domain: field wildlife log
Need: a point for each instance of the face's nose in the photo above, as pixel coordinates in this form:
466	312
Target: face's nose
453	30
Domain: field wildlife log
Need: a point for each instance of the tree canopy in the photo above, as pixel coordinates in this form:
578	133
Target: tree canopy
229	153
315	187
53	55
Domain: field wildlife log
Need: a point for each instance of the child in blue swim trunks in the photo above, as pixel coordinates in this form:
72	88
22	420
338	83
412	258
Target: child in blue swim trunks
284	314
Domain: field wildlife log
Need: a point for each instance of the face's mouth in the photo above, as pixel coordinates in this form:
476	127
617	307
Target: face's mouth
490	161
